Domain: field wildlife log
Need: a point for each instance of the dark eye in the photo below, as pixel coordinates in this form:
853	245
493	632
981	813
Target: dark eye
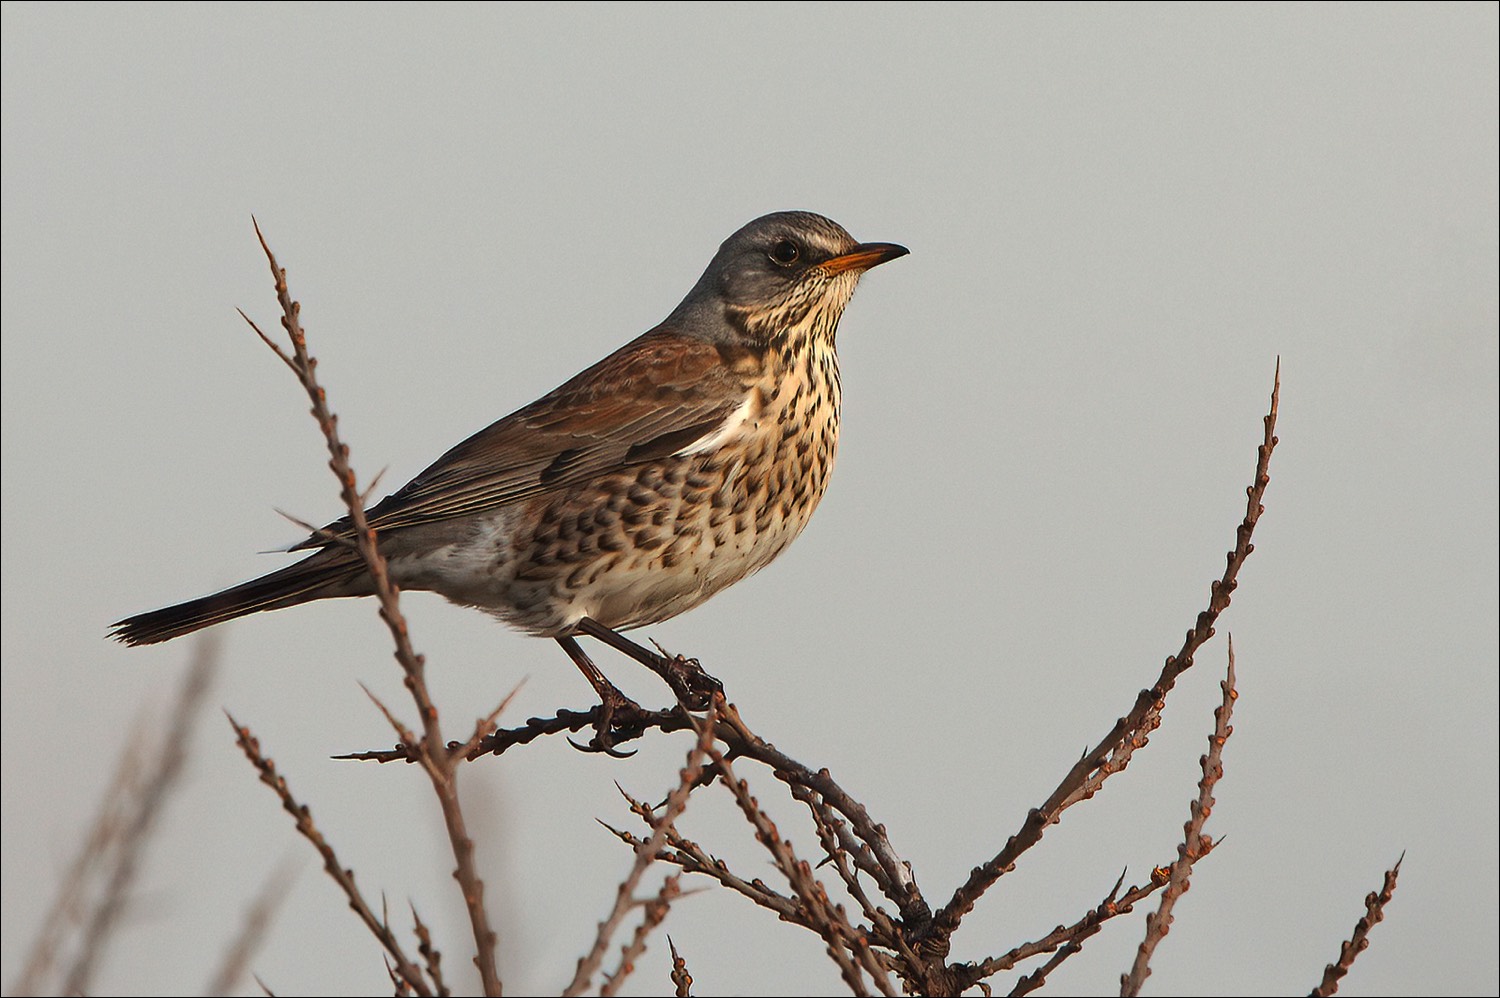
785	253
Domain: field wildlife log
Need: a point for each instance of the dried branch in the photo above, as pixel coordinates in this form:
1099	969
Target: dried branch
645	854
1195	843
1360	940
304	366
656	910
565	721
912	942
826	918
484	728
693	858
406	973
1130	732
848	855
1064	936
440	765
891	873
1034	980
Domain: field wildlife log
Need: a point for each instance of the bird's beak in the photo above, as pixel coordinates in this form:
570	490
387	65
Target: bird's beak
863	257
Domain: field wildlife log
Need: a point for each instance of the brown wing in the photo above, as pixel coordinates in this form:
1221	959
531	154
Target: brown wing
652	397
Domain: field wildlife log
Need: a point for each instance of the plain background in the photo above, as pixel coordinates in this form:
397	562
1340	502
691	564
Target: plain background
1119	218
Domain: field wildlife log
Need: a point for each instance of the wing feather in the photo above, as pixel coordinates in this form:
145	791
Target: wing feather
650	398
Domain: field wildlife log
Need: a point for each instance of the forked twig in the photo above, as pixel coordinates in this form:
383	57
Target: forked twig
1130	732
646	852
1064	937
402	969
1195	844
693	858
913	942
656	911
441	766
847	946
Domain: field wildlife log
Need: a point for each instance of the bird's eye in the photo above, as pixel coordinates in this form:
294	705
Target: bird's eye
785	253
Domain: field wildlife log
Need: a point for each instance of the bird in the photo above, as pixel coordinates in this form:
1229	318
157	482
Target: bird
681	463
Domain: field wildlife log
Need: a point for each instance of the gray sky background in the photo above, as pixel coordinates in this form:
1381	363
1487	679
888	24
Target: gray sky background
1119	217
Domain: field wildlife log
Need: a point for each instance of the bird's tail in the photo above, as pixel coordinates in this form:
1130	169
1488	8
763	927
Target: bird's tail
327	574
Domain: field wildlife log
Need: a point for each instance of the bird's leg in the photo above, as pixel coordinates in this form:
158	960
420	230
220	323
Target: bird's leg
611	700
694	687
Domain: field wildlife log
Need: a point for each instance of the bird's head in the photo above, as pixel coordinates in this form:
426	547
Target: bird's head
778	273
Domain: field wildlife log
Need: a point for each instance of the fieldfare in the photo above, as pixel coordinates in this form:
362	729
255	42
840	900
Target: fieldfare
676	466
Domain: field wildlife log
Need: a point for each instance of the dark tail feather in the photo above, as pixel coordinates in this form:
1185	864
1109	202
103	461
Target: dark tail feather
326	574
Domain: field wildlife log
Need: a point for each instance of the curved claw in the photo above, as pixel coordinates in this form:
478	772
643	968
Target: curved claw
609	750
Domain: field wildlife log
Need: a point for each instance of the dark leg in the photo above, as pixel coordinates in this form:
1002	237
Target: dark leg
610	701
694	687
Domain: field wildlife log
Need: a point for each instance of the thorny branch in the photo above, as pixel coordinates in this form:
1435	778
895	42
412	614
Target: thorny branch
1360	940
1065	938
1195	844
402	968
909	940
656	912
846	945
431	750
645	855
1130	732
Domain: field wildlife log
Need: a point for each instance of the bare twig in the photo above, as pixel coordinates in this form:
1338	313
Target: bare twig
842	939
484	728
645	854
1360	940
1034	980
693	858
402	969
809	906
656	910
1064	936
441	767
563	722
848	855
1130	732
1195	844
894	875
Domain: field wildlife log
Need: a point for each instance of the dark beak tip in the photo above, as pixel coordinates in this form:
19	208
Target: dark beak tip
878	253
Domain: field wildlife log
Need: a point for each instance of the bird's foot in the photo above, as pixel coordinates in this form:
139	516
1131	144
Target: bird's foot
617	718
693	687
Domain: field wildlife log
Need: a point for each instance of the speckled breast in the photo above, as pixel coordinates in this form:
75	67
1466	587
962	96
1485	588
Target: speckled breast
645	544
